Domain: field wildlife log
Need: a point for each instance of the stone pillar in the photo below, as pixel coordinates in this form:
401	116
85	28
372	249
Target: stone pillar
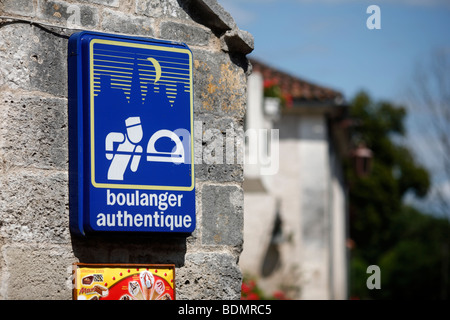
315	219
36	247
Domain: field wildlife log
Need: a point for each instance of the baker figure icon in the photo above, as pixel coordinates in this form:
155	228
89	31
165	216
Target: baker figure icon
128	149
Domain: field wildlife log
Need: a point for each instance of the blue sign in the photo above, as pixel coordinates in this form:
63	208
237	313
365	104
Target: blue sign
130	135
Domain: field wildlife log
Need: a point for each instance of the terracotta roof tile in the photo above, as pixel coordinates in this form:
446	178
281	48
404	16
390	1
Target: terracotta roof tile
298	90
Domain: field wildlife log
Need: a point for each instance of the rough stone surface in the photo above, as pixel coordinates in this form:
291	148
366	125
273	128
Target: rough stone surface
218	147
33	59
238	41
34	206
118	22
111	3
61	12
218	82
222	215
36	248
34	131
209	276
160	8
20	7
36	272
185	33
211	14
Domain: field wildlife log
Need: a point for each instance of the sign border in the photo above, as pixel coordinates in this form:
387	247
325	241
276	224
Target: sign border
92	107
79	126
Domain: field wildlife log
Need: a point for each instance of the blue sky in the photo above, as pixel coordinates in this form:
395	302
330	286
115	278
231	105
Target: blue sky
327	42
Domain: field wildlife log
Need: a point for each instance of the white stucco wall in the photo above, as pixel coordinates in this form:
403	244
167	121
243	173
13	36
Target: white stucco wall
312	207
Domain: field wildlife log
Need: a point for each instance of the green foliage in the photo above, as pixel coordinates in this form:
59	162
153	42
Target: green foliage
358	277
417	266
408	246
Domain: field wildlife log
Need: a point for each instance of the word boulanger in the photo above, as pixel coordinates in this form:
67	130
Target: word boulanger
138	198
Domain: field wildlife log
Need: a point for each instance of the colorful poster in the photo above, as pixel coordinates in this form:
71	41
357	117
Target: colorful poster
124	282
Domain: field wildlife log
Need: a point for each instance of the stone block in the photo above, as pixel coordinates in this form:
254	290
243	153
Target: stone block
33	59
222	215
36	272
160	8
68	14
20	7
237	41
218	148
118	22
34	131
34	206
209	276
222	172
110	3
185	33
36	247
211	14
219	85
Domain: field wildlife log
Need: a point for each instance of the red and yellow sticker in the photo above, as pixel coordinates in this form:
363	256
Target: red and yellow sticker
124	282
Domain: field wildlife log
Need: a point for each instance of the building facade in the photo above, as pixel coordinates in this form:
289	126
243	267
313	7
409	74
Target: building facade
295	209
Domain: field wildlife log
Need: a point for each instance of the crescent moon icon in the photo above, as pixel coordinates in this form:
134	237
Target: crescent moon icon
157	68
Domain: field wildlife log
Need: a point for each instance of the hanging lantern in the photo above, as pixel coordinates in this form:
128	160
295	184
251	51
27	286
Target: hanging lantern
362	159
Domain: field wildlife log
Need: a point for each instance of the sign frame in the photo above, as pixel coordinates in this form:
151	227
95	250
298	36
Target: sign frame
121	281
87	181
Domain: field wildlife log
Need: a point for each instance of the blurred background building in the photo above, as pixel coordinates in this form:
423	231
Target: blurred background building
295	202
